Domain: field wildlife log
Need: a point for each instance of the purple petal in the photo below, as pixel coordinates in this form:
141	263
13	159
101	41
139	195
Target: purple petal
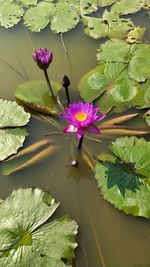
70	129
80	133
93	129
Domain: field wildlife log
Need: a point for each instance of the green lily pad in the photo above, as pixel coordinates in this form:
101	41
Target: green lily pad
24	231
124	178
28	3
12	115
124	7
103	3
10	13
37	18
36	95
136	35
114	50
110	25
10	141
116	81
64	17
88	7
11	138
139	66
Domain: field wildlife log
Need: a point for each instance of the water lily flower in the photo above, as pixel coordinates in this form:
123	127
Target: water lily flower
43	58
81	117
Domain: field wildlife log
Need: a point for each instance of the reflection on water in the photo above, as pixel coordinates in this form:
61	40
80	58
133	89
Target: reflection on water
107	237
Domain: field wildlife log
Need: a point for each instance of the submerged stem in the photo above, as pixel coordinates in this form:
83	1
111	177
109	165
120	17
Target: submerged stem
48	82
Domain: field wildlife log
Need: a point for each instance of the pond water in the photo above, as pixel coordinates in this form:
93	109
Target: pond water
107	237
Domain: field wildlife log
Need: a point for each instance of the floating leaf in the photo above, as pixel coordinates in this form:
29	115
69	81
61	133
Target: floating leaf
10	13
64	18
110	25
10	141
103	3
136	35
139	66
124	178
124	7
88	6
12	115
37	18
115	82
28	3
114	50
24	229
36	95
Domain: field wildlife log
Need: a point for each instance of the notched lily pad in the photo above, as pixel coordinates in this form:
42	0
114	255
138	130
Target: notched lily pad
11	138
121	79
110	25
36	95
24	229
124	177
10	13
12	115
28	3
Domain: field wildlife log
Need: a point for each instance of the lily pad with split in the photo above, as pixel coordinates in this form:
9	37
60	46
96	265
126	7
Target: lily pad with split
12	116
29	236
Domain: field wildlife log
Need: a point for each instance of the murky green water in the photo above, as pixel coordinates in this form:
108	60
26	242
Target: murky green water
107	237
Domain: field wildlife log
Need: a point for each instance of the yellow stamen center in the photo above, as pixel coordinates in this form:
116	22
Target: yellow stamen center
81	116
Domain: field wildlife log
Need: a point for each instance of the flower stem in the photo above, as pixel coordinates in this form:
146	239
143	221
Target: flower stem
48	83
80	142
67	94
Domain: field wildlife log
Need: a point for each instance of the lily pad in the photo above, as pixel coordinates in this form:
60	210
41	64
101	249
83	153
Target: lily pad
139	66
36	95
88	7
28	3
24	231
116	82
10	13
12	115
11	138
110	25
124	178
136	35
103	3
10	141
124	7
37	18
64	17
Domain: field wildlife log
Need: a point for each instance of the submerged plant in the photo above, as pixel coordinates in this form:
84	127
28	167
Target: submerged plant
81	117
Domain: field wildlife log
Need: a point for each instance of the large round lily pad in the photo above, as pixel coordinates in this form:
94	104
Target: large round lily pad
124	178
27	239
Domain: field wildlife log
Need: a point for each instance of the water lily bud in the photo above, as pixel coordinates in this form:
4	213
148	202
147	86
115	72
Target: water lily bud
43	58
65	81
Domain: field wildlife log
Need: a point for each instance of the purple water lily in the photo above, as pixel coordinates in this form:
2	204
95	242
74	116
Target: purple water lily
81	117
43	58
